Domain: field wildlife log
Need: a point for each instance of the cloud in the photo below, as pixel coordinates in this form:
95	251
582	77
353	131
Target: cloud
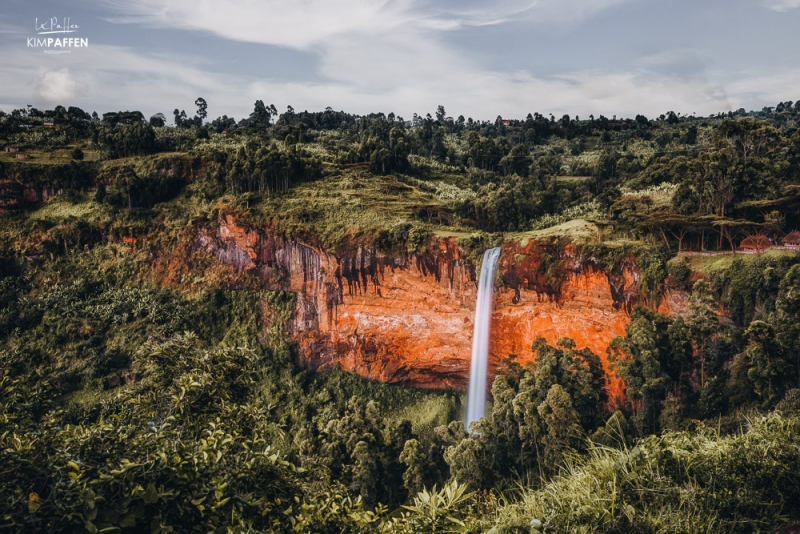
56	86
302	24
389	53
297	24
765	87
782	5
475	13
105	78
414	75
9	30
385	56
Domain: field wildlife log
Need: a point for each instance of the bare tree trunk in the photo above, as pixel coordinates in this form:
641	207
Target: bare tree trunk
702	372
665	239
539	460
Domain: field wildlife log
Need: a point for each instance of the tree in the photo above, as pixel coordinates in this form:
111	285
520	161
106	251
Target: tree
579	373
787	316
414	459
653	359
690	138
202	109
637	360
261	116
704	325
605	171
125	140
617	432
365	473
763	364
672	117
508	455
438	148
561	421
180	118
113	118
468	460
529	424
440	114
158	120
680	270
516	161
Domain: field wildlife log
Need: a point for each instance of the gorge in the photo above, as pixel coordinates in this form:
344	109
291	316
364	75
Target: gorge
407	317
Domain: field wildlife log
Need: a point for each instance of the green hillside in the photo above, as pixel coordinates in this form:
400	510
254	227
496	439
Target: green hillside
139	392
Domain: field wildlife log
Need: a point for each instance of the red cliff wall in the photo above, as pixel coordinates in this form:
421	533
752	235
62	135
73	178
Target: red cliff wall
408	318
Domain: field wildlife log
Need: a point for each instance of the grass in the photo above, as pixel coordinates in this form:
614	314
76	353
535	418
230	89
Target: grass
189	204
579	229
572	179
689	482
451	233
52	156
710	264
60	208
173	214
352	204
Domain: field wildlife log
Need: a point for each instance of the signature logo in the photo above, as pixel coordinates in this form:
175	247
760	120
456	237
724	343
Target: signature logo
58	28
54	25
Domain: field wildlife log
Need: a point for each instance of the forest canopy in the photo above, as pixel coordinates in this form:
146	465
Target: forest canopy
139	392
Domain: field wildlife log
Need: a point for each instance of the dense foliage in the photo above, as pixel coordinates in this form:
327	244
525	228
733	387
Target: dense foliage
141	394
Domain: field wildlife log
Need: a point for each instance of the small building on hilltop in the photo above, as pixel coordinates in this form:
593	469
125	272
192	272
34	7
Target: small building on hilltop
792	239
756	243
12	149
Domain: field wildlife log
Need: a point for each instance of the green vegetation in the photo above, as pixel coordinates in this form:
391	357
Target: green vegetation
147	385
696	481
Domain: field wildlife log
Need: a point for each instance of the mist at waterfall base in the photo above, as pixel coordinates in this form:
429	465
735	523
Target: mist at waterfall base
476	394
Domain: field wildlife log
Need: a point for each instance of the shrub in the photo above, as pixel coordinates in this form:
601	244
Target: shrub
679	482
434	511
680	271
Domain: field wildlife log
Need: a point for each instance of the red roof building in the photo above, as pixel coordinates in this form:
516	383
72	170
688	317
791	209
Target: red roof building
792	238
758	243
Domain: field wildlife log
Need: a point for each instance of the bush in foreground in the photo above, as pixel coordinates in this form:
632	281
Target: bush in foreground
679	482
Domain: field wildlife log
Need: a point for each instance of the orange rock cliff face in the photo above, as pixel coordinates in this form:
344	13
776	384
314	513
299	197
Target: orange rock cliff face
407	318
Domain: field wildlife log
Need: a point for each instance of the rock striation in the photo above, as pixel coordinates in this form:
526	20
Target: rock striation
407	318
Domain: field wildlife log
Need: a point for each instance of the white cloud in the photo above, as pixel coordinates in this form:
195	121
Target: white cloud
301	24
296	24
388	53
766	87
104	78
388	56
783	5
107	78
56	86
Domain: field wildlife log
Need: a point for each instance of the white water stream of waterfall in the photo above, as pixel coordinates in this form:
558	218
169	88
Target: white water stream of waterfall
476	394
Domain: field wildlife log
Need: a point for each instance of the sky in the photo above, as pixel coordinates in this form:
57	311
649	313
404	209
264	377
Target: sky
478	58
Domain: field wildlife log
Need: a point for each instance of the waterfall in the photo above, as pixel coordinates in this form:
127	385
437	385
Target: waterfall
476	394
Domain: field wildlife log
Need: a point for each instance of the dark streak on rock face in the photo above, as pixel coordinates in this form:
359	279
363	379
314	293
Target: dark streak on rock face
543	269
404	317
